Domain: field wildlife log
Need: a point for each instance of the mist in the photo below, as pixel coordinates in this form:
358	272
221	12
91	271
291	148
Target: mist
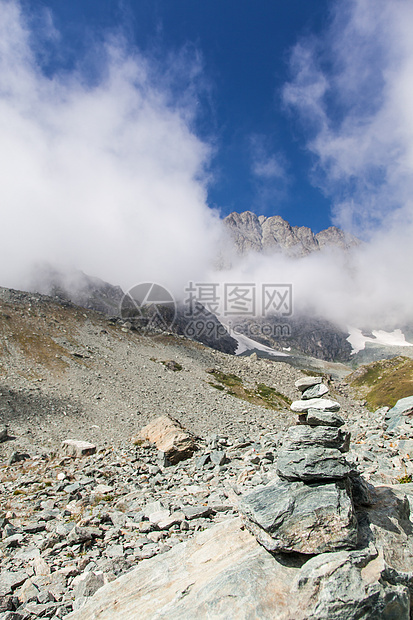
103	175
353	93
108	175
351	89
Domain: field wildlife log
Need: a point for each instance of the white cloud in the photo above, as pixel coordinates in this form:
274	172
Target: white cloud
105	176
109	176
353	90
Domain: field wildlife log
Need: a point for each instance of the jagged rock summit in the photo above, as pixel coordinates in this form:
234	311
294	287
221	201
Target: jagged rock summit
251	232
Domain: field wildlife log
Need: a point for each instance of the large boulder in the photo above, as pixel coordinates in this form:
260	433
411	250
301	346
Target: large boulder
348	585
286	517
170	437
222	573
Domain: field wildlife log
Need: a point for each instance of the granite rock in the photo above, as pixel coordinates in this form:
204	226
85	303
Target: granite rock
170	437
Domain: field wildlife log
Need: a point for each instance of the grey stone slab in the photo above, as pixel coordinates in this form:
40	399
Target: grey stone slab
315	391
315	417
325	404
304	437
307	382
313	464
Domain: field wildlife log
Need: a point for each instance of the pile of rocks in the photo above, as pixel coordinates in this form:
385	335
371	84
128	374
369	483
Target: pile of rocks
76	520
316	505
310	508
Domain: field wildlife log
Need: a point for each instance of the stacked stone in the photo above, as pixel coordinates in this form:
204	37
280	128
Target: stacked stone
310	508
313	450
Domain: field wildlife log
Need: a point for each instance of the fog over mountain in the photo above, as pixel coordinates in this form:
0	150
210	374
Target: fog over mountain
110	177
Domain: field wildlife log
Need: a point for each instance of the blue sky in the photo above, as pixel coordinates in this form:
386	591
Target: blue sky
243	48
127	128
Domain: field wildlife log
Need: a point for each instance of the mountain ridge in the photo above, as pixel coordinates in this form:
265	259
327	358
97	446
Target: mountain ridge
251	232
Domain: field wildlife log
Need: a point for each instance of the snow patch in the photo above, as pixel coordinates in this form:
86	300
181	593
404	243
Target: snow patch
247	344
388	339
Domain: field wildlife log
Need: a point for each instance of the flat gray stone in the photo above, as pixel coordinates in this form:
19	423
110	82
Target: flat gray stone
293	516
196	512
302	406
307	382
316	391
305	437
315	464
314	417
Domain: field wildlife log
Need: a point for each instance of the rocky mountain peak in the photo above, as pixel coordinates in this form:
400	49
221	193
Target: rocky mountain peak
274	234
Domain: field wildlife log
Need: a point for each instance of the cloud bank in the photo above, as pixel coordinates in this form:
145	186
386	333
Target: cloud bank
353	91
351	87
101	169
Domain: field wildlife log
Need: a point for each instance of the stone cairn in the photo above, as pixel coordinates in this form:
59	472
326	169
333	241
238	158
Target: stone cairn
309	508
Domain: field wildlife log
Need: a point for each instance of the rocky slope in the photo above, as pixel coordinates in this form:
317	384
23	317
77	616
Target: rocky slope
70	524
251	232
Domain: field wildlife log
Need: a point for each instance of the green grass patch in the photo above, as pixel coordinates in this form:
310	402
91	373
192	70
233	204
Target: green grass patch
226	379
404	479
262	395
172	365
271	394
383	382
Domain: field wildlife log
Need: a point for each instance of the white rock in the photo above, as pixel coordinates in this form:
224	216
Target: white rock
301	406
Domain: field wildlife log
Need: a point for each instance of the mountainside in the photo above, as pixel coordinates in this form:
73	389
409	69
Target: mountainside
79	288
251	232
73	522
